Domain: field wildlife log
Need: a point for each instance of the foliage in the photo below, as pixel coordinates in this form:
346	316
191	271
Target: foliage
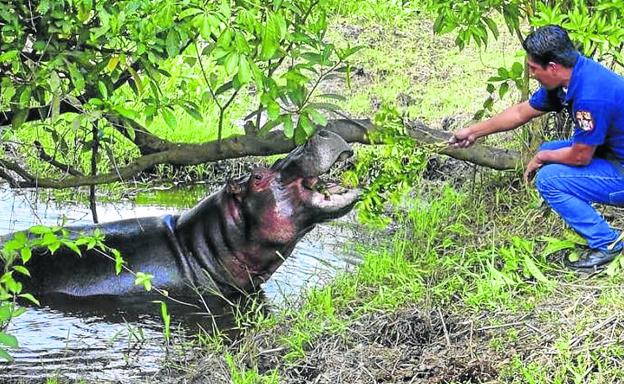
81	56
390	170
593	25
15	254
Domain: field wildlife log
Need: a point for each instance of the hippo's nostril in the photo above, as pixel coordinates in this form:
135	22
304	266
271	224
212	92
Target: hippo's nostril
323	134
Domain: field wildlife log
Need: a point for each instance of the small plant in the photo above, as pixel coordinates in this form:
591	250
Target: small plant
249	376
15	254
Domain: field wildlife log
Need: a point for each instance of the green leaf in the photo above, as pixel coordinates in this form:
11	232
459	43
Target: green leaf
225	39
125	112
71	245
225	87
9	55
103	90
30	298
306	123
244	71
24	99
77	78
270	37
169	117
504	88
270	124
25	254
55	81
289	128
166	320
555	245
189	12
119	261
173	43
273	109
8	340
21	269
193	111
517	69
4	355
137	79
40	230
112	63
296	95
6	312
231	63
534	270
144	279
19	118
317	117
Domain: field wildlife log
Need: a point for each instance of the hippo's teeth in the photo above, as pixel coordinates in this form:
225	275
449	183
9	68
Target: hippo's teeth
310	182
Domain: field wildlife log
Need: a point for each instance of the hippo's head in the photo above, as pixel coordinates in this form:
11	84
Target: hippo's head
286	200
264	215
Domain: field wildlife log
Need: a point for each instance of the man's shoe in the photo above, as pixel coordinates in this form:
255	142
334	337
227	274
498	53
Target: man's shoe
594	258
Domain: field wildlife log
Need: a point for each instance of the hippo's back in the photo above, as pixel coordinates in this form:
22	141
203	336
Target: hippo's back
144	243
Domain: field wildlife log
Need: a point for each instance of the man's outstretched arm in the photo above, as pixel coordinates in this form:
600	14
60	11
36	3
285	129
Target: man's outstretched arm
510	118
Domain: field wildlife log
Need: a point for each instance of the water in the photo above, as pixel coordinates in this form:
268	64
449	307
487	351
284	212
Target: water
123	342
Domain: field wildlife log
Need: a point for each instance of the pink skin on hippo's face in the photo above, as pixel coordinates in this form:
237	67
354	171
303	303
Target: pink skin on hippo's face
276	213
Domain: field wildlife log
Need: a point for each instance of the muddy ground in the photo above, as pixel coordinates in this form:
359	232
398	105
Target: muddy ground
412	345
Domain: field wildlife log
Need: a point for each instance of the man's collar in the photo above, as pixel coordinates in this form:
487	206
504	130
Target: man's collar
577	70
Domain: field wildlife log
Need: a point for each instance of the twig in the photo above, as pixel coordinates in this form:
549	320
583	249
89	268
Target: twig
585	334
446	335
500	326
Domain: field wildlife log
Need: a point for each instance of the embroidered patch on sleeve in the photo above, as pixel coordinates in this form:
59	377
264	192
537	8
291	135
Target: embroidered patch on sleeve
585	120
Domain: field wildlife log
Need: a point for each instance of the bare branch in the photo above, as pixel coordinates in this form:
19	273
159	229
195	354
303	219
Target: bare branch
50	160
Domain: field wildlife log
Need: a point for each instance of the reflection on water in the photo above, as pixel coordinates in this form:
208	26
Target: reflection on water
123	341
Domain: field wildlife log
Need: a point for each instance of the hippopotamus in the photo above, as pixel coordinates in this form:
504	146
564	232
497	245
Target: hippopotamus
231	241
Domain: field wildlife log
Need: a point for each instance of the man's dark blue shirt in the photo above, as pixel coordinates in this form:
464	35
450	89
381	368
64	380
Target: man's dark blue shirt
595	100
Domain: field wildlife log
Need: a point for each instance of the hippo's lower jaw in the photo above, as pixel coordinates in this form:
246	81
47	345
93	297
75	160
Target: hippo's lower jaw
333	201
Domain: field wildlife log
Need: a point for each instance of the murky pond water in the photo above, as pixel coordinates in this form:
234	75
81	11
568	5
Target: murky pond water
106	340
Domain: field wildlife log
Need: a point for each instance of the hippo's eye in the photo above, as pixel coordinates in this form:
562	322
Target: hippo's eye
258	177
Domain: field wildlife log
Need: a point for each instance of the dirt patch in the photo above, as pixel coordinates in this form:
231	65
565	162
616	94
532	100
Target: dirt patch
408	346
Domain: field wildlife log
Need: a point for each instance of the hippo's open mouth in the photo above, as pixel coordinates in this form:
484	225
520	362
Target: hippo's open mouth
329	196
310	164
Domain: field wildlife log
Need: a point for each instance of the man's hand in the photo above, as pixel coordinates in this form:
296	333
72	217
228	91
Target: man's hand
462	138
531	168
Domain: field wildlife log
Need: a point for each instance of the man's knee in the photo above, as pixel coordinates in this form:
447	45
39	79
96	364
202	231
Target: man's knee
548	177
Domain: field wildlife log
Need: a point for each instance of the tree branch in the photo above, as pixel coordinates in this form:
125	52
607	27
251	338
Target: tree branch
49	159
272	143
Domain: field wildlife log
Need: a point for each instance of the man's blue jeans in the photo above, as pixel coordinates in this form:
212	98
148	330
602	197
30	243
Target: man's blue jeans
570	190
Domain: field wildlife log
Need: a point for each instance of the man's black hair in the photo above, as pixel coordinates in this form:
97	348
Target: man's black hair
550	43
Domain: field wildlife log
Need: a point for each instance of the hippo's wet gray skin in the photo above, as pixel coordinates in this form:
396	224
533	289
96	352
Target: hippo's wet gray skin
232	240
